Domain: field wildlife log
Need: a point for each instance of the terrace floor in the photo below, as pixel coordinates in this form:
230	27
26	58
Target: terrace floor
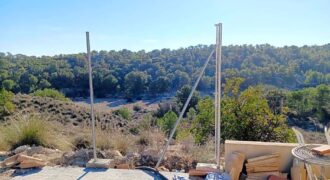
77	173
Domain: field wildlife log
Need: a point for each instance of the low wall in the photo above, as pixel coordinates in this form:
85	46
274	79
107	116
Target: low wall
255	148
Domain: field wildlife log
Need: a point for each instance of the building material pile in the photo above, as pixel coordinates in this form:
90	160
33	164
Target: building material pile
298	171
22	161
202	169
263	166
234	164
323	150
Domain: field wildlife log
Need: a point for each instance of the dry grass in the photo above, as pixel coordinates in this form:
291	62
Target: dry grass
32	129
123	143
3	145
203	153
105	139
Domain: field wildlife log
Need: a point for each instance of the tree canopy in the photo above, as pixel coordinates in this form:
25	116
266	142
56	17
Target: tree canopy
165	70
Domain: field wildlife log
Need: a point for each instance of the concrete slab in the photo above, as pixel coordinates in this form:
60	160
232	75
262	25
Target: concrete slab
77	173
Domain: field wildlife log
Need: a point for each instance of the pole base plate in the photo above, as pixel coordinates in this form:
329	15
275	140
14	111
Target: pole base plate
99	163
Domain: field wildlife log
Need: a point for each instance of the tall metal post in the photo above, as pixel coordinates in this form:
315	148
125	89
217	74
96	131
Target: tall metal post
91	94
218	93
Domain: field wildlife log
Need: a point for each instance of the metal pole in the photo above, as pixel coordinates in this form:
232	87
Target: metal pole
218	92
183	110
91	94
216	103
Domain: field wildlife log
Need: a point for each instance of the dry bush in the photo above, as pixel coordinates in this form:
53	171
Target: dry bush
81	138
187	143
157	139
32	129
144	139
123	143
203	153
81	141
103	139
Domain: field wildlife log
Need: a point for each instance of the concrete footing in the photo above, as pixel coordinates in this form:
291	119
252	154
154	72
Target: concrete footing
99	163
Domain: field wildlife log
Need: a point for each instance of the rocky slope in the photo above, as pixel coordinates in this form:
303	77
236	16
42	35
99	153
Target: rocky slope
66	112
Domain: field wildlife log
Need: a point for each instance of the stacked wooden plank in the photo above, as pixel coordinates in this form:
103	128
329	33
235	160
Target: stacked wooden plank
202	169
322	150
263	166
234	164
267	163
23	161
298	171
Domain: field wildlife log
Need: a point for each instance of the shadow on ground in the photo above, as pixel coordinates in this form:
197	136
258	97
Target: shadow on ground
25	172
88	170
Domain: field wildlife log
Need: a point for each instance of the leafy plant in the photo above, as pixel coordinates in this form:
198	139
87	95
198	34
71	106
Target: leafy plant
167	122
124	113
203	124
6	102
247	116
244	116
52	93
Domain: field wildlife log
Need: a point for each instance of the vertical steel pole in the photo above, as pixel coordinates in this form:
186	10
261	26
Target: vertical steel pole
216	103
91	94
218	92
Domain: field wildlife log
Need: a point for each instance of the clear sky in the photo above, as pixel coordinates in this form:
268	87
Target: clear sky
48	27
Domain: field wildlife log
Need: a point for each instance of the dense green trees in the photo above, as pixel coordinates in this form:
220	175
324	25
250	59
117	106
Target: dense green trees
166	70
135	84
312	102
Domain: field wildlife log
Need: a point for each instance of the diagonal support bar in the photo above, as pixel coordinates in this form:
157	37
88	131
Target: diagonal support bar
183	110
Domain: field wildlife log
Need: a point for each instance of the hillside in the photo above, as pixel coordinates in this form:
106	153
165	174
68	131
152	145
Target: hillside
67	112
134	74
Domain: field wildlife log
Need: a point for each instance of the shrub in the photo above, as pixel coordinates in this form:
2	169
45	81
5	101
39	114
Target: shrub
137	107
103	139
167	122
244	116
146	123
165	107
6	102
31	129
124	113
203	124
81	142
134	130
247	116
144	139
52	93
122	143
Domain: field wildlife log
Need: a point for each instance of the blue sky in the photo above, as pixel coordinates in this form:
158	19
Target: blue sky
45	27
